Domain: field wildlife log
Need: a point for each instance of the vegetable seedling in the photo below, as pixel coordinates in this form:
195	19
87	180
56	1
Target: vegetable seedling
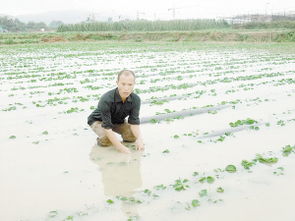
180	185
231	169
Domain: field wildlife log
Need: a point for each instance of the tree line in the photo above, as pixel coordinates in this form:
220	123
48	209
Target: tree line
8	24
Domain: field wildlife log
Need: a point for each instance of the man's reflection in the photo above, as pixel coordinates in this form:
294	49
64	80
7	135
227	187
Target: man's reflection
120	174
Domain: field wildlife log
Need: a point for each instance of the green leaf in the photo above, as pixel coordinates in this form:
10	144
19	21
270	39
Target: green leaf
109	201
231	168
246	164
154	121
123	198
210	179
220	190
195	203
270	160
195	173
287	150
166	151
180	185
203	193
202	179
45	132
148	192
160	187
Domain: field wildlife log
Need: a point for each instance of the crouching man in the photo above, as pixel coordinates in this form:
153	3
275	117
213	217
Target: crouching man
109	116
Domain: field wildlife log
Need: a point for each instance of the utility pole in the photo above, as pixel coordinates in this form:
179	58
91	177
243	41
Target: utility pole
138	14
173	9
173	12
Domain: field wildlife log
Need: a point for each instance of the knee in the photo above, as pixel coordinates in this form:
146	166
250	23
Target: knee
129	137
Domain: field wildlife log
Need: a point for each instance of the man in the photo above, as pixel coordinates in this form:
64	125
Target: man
113	107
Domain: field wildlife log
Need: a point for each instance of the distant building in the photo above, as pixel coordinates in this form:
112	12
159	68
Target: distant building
246	18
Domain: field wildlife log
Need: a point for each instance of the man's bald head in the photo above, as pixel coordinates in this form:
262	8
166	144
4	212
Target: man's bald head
126	73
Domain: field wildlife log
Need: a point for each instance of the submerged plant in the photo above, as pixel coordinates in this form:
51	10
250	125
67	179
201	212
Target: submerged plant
176	136
269	160
219	190
180	185
166	151
279	171
208	179
247	164
248	121
133	218
281	123
109	201
195	203
287	150
203	193
160	187
45	132
154	121
231	168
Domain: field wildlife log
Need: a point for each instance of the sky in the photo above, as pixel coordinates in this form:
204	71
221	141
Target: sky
151	9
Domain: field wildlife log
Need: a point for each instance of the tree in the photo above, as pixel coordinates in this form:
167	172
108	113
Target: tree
11	25
55	24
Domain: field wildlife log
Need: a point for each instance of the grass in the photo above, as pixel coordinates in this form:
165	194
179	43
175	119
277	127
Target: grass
218	35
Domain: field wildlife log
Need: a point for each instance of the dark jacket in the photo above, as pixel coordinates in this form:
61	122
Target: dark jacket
111	109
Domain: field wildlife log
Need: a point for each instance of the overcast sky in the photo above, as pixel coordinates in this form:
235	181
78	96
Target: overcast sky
151	9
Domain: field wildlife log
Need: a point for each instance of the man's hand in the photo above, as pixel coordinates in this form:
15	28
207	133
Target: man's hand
139	144
116	143
123	149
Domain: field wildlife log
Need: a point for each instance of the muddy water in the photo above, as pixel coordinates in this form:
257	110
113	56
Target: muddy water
75	177
120	174
64	175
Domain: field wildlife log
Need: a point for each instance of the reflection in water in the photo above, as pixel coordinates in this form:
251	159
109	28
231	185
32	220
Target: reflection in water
120	174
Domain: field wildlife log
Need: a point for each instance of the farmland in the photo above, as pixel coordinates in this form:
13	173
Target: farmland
217	120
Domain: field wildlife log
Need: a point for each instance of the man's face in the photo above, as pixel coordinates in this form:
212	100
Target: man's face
125	85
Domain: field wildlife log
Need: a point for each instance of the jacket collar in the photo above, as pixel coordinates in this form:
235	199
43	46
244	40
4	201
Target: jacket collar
118	97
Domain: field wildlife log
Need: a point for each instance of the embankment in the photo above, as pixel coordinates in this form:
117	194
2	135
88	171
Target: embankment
230	35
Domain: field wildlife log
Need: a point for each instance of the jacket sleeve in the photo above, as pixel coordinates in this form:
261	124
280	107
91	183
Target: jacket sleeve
105	108
134	114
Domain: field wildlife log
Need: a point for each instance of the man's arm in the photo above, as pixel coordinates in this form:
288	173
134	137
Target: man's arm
116	143
137	133
107	126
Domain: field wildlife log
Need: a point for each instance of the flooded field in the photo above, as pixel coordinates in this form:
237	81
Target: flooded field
218	122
